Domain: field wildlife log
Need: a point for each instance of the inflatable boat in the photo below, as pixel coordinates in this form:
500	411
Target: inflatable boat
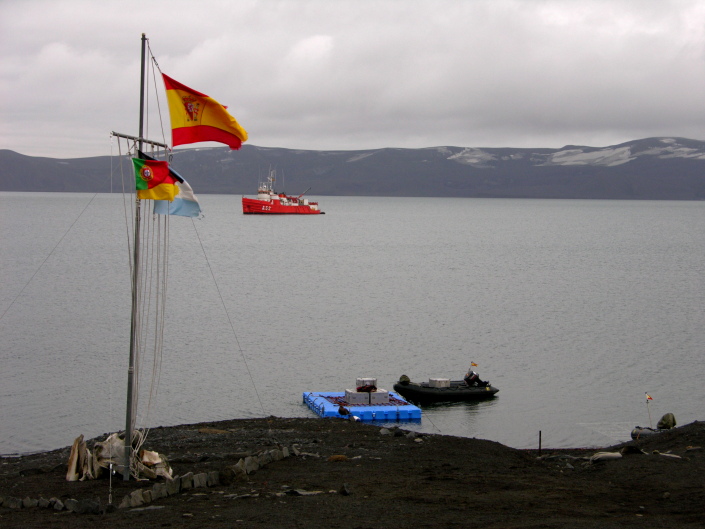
443	390
639	432
667	422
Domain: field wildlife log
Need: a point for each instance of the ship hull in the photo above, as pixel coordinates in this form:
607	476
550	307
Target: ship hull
254	206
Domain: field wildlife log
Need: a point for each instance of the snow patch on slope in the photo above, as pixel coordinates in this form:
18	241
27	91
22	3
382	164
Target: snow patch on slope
359	157
443	150
607	157
476	157
685	152
673	150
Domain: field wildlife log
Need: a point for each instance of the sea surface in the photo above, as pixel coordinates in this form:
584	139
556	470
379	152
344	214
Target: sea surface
574	309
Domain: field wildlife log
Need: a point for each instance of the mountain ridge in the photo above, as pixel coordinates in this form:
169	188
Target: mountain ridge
652	168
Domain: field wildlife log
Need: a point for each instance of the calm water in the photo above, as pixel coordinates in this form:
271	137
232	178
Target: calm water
572	308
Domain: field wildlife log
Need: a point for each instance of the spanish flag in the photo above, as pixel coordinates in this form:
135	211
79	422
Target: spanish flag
648	397
473	364
153	180
196	117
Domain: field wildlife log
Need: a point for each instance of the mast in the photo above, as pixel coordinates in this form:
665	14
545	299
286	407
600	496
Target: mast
135	290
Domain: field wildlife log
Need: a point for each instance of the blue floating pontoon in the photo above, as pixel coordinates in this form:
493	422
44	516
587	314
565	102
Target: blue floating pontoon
327	404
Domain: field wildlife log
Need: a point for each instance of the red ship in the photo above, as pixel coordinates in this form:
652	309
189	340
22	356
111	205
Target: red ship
269	202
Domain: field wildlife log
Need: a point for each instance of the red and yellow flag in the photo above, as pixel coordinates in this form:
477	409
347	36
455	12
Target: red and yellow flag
153	180
648	397
197	117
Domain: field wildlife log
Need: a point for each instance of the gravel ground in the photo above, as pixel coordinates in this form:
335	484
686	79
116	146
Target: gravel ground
343	474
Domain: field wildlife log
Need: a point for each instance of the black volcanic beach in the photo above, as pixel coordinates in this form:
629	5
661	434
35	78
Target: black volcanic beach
352	475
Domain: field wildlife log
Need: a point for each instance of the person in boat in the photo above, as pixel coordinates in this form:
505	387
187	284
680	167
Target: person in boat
473	379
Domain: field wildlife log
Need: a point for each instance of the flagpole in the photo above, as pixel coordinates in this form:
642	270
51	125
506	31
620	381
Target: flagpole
135	291
648	409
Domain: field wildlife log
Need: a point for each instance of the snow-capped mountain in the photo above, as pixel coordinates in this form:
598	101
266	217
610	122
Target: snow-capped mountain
652	168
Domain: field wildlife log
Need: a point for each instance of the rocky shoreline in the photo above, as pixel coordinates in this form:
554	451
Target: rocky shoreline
277	472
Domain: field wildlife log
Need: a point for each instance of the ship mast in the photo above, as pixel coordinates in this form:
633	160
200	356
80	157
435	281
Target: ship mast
135	318
135	288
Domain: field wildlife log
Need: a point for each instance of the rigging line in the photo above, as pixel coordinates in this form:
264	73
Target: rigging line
143	312
156	255
140	316
145	122
48	256
112	169
232	327
130	245
124	204
156	93
164	268
163	271
129	231
113	357
160	302
148	289
426	417
155	289
129	228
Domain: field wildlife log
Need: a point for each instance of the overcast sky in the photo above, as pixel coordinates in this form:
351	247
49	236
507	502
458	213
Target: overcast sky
362	74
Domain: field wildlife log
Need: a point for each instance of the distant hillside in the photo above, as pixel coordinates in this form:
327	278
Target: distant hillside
653	168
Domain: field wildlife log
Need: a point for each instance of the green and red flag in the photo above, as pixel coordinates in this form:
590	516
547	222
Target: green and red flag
153	180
